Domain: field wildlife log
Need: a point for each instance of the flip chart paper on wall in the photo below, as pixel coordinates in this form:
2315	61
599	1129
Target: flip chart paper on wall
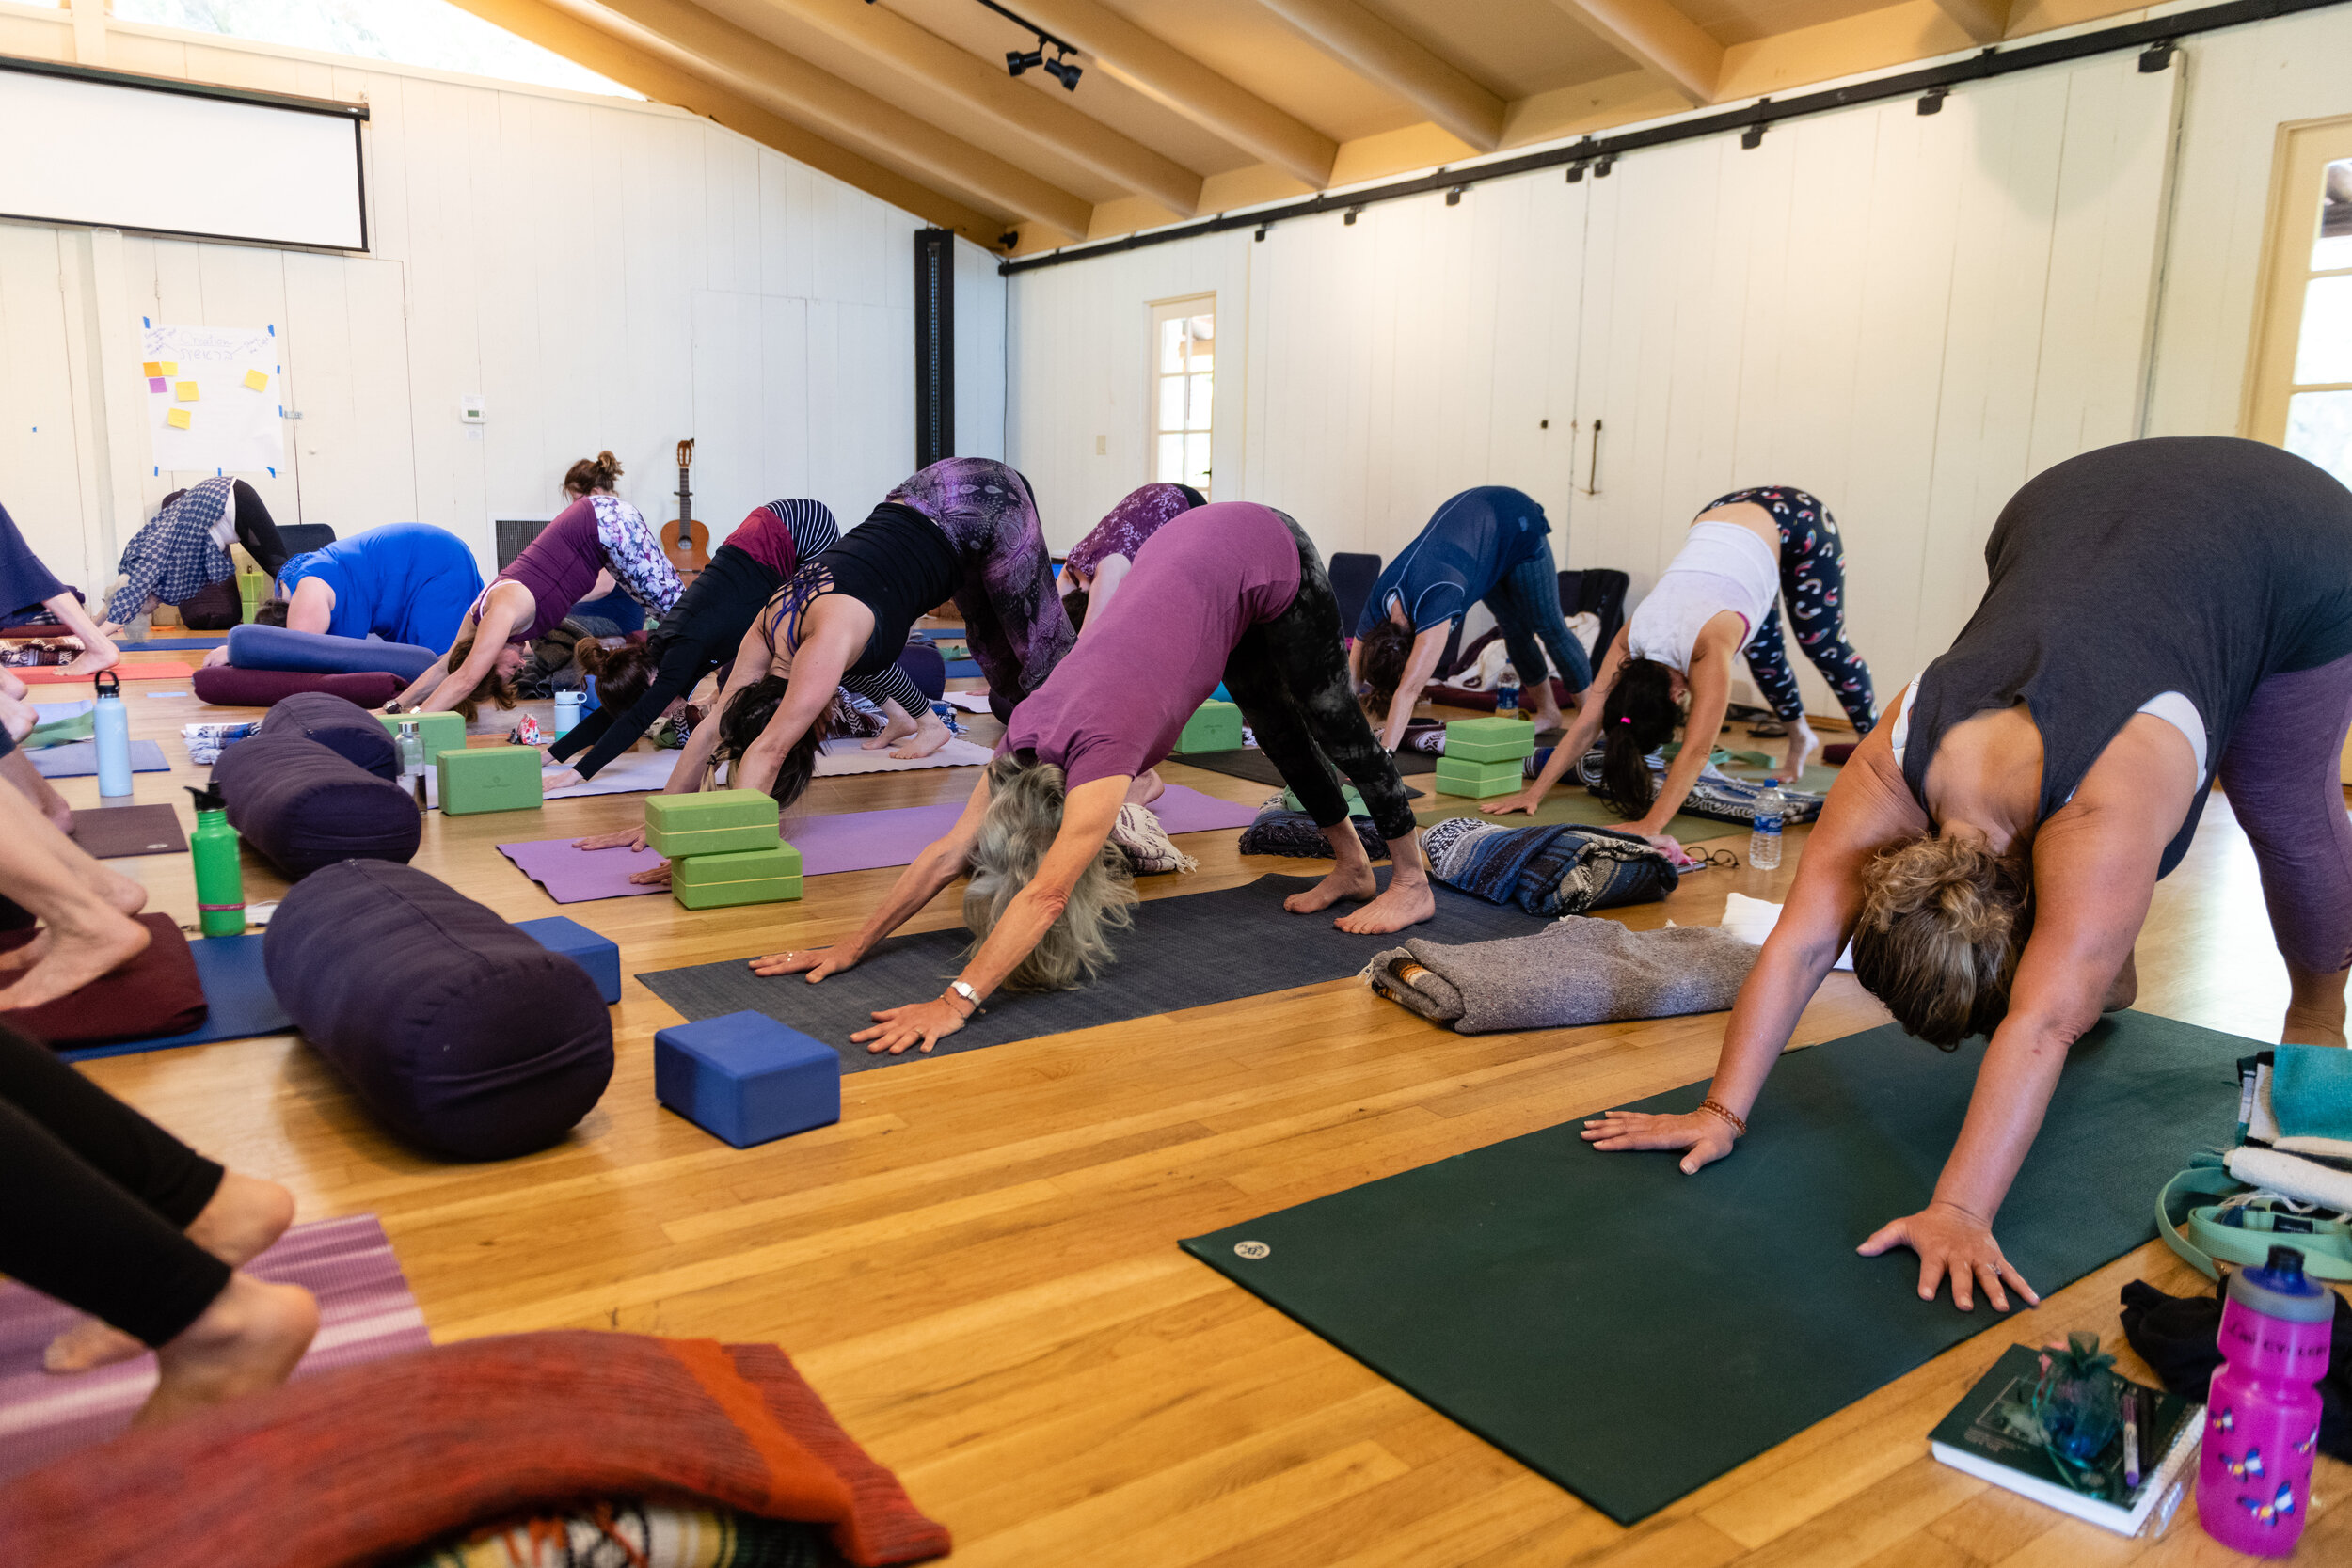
236	435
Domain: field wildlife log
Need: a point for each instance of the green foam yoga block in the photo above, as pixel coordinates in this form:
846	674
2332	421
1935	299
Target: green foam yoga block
1479	780
440	732
1489	740
1216	727
744	877
716	822
489	778
1356	806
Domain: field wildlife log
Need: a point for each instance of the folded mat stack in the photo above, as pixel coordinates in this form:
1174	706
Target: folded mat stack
724	848
463	1034
1486	757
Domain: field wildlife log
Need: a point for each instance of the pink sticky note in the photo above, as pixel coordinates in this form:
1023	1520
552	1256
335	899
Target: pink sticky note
157	384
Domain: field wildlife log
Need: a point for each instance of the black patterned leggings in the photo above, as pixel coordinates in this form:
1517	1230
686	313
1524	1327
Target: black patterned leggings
1813	584
1289	678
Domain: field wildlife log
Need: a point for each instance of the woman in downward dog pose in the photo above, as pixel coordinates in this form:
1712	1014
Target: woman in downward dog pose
1092	572
1231	591
1716	601
597	536
2160	613
964	528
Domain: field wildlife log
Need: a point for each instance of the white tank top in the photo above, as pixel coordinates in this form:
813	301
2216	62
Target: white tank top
1721	566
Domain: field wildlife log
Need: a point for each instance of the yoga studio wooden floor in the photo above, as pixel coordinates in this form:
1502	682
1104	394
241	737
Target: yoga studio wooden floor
978	1266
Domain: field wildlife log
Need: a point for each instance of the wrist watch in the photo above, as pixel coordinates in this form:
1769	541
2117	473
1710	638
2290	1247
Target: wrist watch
967	993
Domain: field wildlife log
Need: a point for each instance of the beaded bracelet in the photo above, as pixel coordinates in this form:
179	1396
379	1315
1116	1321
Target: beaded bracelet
1716	1108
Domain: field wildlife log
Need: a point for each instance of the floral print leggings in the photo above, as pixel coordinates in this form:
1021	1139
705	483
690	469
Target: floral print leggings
1813	585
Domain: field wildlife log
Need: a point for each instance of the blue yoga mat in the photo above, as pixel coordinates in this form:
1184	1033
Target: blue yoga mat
175	644
79	759
235	990
963	669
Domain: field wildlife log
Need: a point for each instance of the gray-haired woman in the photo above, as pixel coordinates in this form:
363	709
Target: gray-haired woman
1233	591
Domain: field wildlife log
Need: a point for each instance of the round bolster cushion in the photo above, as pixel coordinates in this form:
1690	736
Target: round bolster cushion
927	667
341	725
304	806
226	686
461	1033
260	647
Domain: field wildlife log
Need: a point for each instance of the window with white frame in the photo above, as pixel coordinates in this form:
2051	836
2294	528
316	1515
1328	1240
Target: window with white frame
1184	385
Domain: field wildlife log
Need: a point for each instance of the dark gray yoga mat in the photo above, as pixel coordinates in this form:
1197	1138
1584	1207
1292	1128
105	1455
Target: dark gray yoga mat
1632	1333
1184	952
1247	762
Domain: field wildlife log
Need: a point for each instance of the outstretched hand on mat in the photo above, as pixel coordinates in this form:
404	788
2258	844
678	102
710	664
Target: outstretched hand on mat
1950	1241
814	962
625	838
923	1026
1707	1137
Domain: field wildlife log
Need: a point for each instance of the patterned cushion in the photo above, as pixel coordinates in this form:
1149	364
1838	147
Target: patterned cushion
304	806
463	1033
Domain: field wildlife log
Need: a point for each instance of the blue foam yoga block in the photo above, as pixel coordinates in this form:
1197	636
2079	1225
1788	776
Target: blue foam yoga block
599	956
746	1078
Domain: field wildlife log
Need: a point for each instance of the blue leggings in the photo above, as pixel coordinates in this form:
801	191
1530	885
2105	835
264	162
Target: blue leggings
1813	584
1526	605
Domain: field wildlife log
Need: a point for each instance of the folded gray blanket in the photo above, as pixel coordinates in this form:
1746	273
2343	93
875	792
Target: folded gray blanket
1576	970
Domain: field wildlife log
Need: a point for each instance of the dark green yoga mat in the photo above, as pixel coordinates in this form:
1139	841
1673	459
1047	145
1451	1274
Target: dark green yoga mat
1632	1333
1184	952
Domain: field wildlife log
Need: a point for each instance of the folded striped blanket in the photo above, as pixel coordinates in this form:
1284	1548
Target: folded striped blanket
1555	870
1716	793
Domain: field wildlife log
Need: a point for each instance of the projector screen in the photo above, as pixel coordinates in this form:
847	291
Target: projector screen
162	158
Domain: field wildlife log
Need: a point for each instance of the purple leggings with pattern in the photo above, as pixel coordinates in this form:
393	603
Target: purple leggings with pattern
2283	775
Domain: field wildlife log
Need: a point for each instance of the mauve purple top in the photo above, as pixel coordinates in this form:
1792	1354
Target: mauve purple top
1115	704
559	567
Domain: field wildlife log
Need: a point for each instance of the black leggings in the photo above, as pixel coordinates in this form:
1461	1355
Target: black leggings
258	533
1813	583
99	1199
1289	678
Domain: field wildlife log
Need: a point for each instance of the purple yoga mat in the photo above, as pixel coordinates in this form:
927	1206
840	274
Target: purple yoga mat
846	841
365	1313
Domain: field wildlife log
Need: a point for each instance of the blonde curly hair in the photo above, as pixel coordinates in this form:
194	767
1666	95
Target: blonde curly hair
1024	810
1943	920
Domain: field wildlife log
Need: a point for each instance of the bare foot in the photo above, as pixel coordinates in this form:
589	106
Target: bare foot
27	955
91	661
1343	882
76	958
1147	787
2307	1027
245	1216
248	1340
122	892
1403	904
930	733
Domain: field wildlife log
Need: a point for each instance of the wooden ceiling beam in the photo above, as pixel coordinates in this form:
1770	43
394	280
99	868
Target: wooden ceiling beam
1382	54
609	57
1985	20
1169	76
750	67
1660	39
928	58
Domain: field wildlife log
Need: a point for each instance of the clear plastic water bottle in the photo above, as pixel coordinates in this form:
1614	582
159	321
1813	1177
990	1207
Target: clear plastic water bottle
411	747
1506	692
1772	813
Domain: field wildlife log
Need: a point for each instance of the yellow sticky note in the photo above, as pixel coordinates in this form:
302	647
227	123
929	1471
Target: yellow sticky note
188	391
167	367
256	380
177	419
152	367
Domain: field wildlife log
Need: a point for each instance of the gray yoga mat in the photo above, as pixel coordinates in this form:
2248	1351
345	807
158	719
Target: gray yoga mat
1247	762
1632	1333
1184	952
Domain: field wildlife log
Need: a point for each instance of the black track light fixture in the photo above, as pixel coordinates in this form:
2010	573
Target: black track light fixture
1931	102
1019	60
1063	68
1348	217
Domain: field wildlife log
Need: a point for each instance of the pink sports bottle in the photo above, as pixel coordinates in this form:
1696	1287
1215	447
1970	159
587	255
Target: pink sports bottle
2262	1415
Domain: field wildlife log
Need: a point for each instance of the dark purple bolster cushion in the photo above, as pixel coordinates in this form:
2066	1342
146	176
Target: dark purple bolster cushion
463	1033
341	725
304	806
927	667
226	686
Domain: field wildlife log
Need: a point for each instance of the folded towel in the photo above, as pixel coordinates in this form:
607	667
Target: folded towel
1577	971
2304	1180
2311	1091
1149	850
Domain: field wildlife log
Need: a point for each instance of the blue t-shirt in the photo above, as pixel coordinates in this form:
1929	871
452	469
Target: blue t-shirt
406	582
1473	541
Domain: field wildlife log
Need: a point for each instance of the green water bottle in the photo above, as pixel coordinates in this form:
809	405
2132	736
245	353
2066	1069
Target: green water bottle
219	873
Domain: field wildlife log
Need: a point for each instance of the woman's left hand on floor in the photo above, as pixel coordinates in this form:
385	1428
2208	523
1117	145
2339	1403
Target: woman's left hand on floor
1950	1241
924	1024
653	876
814	962
1671	846
562	778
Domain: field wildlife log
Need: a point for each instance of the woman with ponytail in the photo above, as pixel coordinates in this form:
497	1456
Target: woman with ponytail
1719	598
596	541
1231	592
2160	615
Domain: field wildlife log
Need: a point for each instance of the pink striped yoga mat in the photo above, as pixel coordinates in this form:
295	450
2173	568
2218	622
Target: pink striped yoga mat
845	841
365	1313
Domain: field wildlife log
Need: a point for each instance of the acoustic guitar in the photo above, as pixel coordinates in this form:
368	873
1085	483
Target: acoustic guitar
686	542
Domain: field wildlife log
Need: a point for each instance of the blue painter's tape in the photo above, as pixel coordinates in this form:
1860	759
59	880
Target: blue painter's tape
144	322
273	473
273	331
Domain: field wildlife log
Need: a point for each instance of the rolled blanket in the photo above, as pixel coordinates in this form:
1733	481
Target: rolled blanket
1149	850
1574	971
1716	795
1555	870
2304	1180
1279	831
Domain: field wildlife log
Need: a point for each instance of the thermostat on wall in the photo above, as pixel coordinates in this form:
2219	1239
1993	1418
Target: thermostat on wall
471	410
